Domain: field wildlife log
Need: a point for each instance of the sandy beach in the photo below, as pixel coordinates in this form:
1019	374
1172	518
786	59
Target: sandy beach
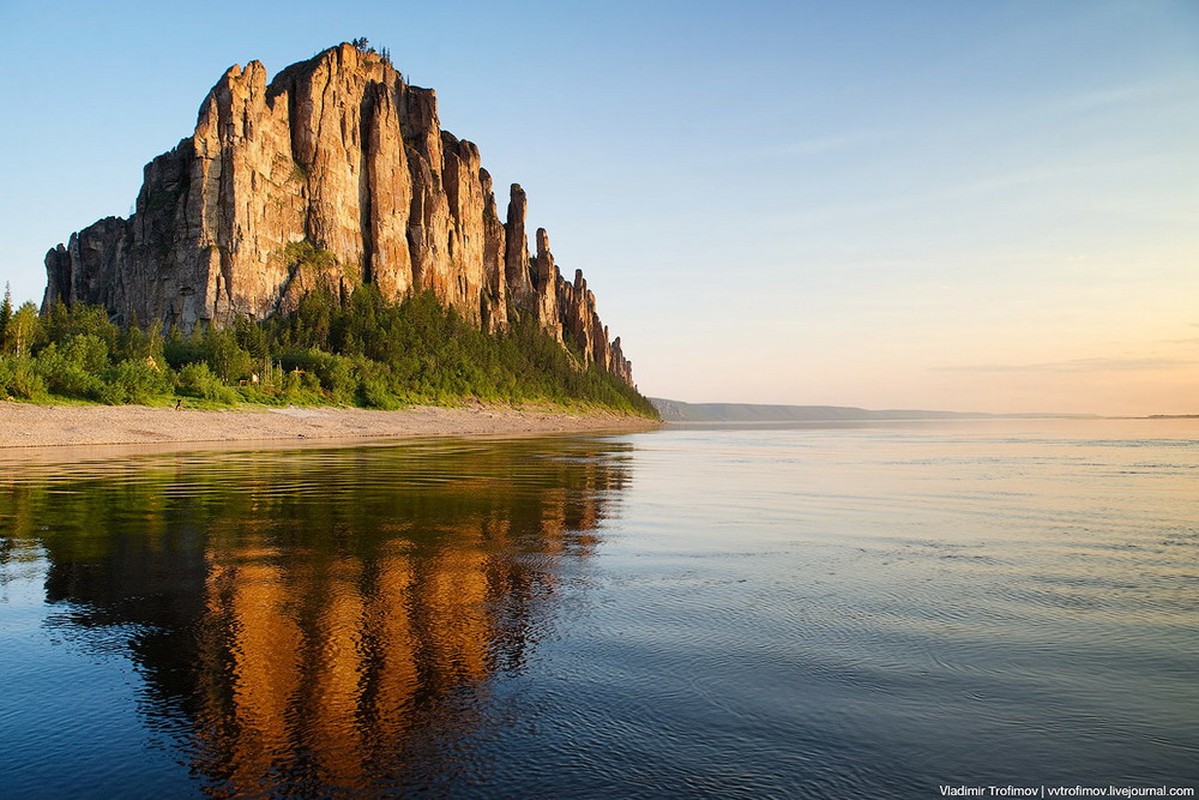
32	426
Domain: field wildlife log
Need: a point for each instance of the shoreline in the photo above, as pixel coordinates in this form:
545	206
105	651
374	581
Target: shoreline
27	426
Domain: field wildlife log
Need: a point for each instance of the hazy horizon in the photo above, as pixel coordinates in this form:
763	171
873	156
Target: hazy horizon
1045	413
967	207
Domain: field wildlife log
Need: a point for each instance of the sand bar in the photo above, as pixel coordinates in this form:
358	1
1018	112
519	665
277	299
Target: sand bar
24	425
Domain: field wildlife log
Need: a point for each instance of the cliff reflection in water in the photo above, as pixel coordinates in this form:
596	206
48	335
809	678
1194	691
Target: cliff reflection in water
319	619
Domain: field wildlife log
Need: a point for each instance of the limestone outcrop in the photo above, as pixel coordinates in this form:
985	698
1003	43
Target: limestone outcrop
334	174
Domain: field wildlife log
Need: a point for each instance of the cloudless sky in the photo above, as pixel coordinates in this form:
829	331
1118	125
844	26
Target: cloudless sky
962	205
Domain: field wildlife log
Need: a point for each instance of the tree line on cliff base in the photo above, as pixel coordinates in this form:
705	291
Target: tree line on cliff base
361	350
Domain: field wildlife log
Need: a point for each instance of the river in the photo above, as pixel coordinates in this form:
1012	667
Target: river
880	610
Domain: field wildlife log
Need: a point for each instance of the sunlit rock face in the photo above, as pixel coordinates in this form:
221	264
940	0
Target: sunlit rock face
339	153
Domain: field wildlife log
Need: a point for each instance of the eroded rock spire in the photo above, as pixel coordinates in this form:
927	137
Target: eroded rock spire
335	173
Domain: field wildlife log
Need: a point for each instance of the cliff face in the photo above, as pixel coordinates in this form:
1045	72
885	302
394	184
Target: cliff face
336	154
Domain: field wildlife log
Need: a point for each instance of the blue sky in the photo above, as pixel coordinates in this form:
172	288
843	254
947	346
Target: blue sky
967	205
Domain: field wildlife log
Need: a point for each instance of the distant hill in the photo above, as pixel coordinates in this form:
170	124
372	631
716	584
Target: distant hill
678	411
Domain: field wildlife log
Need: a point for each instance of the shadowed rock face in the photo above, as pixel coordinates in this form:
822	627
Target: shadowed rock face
340	153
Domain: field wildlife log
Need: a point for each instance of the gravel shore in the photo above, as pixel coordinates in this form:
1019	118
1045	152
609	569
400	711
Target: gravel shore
32	426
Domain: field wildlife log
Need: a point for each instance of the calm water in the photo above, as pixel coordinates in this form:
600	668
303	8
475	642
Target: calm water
809	612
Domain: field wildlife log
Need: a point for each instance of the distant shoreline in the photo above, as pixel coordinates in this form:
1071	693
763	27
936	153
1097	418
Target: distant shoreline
679	412
25	425
867	421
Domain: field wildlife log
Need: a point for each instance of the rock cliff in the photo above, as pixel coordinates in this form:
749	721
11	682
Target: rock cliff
334	173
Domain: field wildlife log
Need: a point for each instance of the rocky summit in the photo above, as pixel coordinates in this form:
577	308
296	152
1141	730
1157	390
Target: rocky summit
333	174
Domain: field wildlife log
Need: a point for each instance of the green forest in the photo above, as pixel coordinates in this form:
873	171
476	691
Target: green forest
361	350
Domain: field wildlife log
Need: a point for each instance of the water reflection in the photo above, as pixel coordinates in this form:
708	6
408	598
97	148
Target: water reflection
318	621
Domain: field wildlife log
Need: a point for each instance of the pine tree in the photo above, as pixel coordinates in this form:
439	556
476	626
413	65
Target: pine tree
5	310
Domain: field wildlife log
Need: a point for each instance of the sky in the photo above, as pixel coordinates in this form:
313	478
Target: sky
972	206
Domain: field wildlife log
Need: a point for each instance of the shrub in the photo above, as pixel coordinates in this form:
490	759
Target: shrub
19	378
66	372
197	380
135	382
